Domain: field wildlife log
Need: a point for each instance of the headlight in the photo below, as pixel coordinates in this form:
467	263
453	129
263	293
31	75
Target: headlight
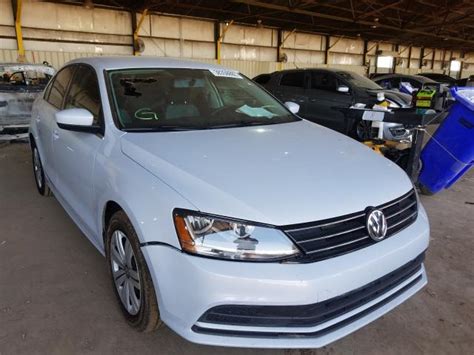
230	239
399	131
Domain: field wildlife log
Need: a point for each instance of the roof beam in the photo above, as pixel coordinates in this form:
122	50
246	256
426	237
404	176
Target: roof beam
261	4
379	10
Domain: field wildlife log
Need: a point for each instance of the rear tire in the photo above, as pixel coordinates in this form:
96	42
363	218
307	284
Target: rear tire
38	173
131	279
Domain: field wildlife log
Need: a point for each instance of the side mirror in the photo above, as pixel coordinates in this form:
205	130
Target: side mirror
292	106
76	119
344	89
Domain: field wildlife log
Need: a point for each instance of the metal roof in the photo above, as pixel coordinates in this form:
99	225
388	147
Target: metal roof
430	23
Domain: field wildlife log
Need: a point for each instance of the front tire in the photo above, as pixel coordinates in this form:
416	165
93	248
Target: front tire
131	280
38	173
362	130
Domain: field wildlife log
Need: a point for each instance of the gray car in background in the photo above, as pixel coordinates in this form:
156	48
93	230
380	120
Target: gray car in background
393	81
20	84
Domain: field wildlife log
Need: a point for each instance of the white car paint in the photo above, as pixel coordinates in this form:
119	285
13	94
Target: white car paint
278	174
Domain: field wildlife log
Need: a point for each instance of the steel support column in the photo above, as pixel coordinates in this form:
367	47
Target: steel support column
17	7
394	63
364	57
136	29
220	39
422	56
326	52
409	59
281	42
449	64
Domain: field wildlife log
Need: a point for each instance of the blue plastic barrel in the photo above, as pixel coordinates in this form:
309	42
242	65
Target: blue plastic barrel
450	152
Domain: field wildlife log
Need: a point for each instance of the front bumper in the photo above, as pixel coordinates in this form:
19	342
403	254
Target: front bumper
188	286
392	131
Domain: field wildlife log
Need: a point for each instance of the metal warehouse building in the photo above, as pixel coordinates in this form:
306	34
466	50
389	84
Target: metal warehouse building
251	36
287	177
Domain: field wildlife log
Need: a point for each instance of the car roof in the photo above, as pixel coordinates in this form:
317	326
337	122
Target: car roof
436	74
419	78
24	67
329	70
17	64
129	62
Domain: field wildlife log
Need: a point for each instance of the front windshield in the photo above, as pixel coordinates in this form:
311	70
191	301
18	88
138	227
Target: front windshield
182	99
359	81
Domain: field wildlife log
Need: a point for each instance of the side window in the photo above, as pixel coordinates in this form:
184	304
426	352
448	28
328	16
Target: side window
395	83
59	86
390	84
414	83
84	92
323	81
294	79
17	78
47	90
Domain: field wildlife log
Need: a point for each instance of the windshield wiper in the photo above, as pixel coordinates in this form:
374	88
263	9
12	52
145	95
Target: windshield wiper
243	124
162	128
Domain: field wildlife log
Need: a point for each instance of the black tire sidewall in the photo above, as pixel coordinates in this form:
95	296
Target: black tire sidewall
141	320
41	189
354	131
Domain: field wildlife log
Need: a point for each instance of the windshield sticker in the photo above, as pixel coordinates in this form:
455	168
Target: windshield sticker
226	73
255	111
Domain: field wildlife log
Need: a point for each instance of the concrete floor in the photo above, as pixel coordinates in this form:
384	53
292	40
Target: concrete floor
56	298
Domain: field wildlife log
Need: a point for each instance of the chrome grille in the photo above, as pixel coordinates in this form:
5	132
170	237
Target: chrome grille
332	237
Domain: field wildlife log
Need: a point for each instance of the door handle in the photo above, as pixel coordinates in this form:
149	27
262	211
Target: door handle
55	134
37	119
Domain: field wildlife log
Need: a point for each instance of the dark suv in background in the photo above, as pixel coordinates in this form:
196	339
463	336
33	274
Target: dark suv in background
440	78
323	94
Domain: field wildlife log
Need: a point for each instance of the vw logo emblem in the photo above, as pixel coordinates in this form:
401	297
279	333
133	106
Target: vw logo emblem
376	225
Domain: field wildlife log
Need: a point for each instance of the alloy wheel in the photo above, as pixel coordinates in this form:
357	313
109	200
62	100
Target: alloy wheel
364	130
125	272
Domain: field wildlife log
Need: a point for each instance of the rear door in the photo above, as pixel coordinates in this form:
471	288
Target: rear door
325	102
291	87
45	119
75	152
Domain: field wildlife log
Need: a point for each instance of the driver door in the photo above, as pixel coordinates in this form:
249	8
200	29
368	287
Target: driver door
75	152
324	100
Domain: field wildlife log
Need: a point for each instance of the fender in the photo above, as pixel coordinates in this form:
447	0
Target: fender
117	178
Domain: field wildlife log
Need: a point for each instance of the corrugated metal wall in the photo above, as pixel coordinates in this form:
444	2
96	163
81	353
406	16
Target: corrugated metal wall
57	33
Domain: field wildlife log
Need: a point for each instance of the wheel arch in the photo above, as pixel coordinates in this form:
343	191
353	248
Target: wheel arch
31	139
110	208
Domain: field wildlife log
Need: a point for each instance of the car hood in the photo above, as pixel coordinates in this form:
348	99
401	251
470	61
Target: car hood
278	174
402	99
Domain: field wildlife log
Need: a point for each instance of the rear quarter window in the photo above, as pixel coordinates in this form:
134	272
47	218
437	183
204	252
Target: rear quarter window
262	79
294	79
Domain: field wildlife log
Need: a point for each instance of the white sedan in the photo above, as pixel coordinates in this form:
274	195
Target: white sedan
220	212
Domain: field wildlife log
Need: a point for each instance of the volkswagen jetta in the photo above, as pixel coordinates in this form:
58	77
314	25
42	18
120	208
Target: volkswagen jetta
220	212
